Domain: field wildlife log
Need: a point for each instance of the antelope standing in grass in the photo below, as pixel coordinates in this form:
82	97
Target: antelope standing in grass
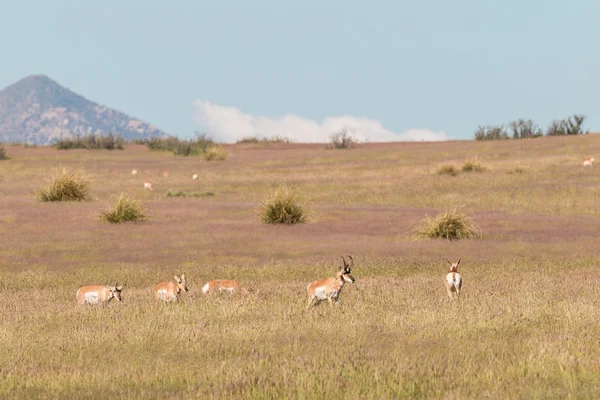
148	185
170	291
195	177
330	288
134	172
453	280
224	285
96	294
588	162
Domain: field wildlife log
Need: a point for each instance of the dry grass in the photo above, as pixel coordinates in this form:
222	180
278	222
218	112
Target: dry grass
448	169
65	185
473	166
215	153
525	327
124	209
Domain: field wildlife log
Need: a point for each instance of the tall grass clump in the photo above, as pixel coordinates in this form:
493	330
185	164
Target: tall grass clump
473	166
181	147
91	142
215	153
451	224
65	185
263	140
173	193
447	169
124	209
3	155
283	206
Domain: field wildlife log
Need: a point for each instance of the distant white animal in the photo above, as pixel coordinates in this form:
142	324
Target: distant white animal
195	177
588	162
453	280
148	185
134	172
166	174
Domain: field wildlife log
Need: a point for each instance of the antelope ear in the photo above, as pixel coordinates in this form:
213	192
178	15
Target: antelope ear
458	262
176	279
119	288
449	262
183	277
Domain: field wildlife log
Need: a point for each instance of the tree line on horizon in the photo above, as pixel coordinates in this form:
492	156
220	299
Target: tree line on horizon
524	129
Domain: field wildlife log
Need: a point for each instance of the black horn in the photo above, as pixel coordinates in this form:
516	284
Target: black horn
351	262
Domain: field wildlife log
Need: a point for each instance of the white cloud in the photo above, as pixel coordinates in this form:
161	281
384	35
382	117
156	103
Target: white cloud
229	124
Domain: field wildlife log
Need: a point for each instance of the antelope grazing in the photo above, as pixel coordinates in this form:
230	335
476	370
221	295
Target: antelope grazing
195	177
453	280
134	172
224	285
170	291
588	162
148	185
95	294
330	288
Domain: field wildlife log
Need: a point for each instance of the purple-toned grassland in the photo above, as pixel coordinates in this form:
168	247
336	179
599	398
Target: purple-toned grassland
526	324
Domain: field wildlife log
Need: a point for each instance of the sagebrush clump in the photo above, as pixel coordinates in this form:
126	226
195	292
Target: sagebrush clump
283	206
448	169
124	209
3	155
473	166
451	224
65	185
215	153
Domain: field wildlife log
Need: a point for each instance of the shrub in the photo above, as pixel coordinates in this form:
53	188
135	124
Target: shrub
265	140
570	126
450	224
215	153
3	155
282	207
473	166
171	193
491	132
65	185
181	147
448	169
524	129
124	209
342	140
91	142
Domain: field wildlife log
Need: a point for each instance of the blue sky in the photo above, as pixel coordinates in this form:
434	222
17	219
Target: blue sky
428	69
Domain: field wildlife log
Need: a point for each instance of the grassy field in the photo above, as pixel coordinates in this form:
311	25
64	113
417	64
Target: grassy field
526	326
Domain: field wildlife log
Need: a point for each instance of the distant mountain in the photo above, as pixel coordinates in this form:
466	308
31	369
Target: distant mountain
37	110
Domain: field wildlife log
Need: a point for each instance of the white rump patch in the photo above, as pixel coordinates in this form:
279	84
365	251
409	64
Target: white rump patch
162	294
91	297
320	293
205	289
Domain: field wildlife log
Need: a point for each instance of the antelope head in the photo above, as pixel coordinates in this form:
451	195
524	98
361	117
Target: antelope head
115	291
345	270
454	266
181	283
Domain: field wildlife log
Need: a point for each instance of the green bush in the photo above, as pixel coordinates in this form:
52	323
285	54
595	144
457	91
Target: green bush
171	193
342	140
282	207
265	140
215	153
450	224
91	142
491	132
124	209
570	126
181	147
3	155
65	185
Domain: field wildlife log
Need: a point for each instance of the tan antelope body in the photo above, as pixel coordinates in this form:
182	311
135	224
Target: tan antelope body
453	280
330	288
96	294
148	185
195	177
588	162
134	172
222	285
170	291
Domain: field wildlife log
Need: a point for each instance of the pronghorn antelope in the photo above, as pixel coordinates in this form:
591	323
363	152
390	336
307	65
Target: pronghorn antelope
148	185
453	280
330	288
588	162
95	294
134	172
170	291
195	177
166	174
224	285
